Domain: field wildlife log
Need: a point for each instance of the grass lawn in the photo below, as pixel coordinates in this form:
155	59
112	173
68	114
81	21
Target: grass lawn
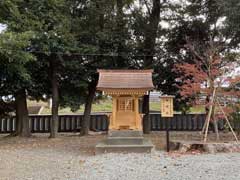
103	105
197	109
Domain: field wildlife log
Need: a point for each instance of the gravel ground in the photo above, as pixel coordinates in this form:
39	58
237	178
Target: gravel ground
43	164
71	158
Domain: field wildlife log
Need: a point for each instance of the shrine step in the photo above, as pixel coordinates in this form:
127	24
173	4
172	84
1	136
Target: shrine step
124	140
145	147
125	133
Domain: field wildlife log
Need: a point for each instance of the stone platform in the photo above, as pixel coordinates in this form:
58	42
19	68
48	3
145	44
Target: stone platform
208	147
124	141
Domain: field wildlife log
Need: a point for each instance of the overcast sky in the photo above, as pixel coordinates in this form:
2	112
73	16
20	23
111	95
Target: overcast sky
1	27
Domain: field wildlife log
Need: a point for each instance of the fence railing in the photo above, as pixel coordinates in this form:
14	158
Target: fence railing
181	122
99	122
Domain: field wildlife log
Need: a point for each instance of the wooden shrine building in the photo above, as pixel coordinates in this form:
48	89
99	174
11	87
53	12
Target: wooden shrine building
125	87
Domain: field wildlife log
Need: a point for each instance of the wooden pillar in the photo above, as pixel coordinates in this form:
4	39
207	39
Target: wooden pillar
114	111
137	117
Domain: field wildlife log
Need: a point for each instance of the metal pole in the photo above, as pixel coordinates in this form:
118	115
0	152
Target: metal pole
167	134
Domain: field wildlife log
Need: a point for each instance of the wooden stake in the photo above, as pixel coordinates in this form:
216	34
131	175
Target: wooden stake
209	115
228	122
204	126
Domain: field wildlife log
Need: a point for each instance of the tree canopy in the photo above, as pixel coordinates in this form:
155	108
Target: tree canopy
53	48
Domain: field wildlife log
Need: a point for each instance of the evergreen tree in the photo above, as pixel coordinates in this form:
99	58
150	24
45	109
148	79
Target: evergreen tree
15	77
49	21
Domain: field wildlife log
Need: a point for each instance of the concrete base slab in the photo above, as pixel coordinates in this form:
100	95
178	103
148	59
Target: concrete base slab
124	141
125	133
145	147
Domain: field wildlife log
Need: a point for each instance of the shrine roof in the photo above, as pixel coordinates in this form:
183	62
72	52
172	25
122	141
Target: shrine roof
125	79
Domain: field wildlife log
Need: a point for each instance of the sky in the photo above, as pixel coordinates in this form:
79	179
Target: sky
1	27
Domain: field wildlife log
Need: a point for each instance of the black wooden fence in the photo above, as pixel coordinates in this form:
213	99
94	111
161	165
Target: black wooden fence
99	122
67	123
181	122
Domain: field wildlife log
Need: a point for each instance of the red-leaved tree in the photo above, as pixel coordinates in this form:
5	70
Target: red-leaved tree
204	80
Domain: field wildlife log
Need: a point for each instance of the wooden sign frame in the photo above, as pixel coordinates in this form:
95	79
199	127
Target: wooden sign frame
166	105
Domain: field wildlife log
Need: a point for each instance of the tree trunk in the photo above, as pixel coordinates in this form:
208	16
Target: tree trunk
149	49
23	126
146	117
88	108
55	99
214	120
215	124
120	33
151	34
207	101
92	86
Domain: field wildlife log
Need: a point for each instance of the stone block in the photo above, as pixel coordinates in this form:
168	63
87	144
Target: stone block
125	133
124	140
145	147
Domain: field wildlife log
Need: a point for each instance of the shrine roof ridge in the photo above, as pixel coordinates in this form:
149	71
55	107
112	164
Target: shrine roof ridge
126	70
